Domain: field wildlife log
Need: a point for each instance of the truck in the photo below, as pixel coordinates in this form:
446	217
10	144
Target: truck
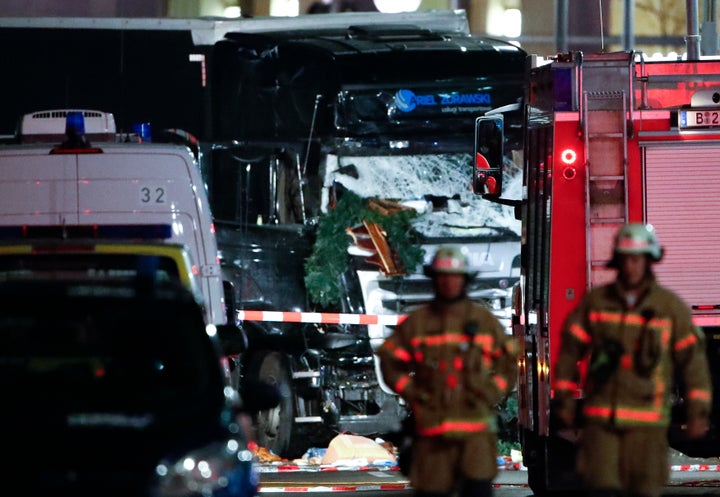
288	117
313	124
609	138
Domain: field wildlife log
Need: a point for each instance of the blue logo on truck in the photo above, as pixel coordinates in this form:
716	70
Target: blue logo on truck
407	100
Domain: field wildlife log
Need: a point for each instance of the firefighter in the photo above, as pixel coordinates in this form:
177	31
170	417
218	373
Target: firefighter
638	336
452	361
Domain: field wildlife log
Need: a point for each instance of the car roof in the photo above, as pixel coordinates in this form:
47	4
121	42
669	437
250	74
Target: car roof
99	259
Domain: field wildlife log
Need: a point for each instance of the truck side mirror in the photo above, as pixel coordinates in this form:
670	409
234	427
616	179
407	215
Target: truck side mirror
488	161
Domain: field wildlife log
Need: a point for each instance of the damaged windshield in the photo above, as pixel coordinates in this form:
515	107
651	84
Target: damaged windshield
437	186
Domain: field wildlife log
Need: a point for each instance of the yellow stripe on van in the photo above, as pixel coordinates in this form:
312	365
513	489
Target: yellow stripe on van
173	251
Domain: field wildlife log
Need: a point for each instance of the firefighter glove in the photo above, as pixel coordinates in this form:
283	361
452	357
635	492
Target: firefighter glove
605	360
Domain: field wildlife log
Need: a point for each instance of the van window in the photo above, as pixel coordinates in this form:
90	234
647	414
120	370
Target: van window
90	266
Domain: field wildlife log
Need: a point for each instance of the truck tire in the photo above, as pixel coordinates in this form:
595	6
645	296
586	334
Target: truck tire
274	428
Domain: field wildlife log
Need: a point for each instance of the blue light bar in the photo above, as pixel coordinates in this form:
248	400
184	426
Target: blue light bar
74	124
143	131
75	140
113	231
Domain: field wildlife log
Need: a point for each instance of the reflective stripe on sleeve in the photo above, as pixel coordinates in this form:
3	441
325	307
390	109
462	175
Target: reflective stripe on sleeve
454	426
686	342
565	385
402	383
578	332
698	394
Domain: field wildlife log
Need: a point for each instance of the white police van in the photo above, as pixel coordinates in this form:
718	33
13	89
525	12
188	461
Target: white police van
68	174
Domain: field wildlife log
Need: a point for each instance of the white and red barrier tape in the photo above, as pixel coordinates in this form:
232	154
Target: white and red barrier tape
350	488
695	467
509	465
365	319
316	468
504	463
335	488
321	317
291	467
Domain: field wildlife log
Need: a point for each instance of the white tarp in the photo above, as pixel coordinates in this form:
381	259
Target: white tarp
344	449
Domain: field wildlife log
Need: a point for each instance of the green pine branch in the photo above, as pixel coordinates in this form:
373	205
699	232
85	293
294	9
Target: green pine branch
330	259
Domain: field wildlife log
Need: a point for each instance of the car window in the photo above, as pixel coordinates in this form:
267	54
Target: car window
90	265
120	350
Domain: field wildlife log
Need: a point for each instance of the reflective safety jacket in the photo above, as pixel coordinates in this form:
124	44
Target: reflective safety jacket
633	354
453	363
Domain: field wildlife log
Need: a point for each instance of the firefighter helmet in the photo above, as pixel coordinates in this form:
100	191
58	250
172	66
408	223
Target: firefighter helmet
637	238
450	259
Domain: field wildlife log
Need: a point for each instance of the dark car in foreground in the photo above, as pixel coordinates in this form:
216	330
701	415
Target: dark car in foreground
112	388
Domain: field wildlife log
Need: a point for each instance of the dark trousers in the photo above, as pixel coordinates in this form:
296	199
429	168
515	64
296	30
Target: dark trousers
468	488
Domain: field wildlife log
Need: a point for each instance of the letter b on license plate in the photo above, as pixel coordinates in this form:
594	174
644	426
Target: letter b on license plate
699	118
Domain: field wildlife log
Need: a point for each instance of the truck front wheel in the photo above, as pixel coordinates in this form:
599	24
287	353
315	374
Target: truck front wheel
274	428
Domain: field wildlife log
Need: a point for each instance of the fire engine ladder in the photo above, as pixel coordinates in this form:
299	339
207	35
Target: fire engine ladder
605	129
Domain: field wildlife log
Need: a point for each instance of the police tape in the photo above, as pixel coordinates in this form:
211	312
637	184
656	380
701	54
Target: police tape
695	467
356	488
334	488
321	317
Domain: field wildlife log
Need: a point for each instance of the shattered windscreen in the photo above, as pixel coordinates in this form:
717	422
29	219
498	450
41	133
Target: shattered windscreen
437	186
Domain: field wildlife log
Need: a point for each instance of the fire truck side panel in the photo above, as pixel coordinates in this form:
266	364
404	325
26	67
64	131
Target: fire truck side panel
674	200
568	224
679	177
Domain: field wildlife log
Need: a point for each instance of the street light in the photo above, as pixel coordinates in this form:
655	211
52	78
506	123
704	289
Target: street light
232	11
395	6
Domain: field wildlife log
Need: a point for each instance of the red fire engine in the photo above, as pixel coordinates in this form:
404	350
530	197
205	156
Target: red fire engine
608	138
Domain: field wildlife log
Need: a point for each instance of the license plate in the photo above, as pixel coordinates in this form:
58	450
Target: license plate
698	118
